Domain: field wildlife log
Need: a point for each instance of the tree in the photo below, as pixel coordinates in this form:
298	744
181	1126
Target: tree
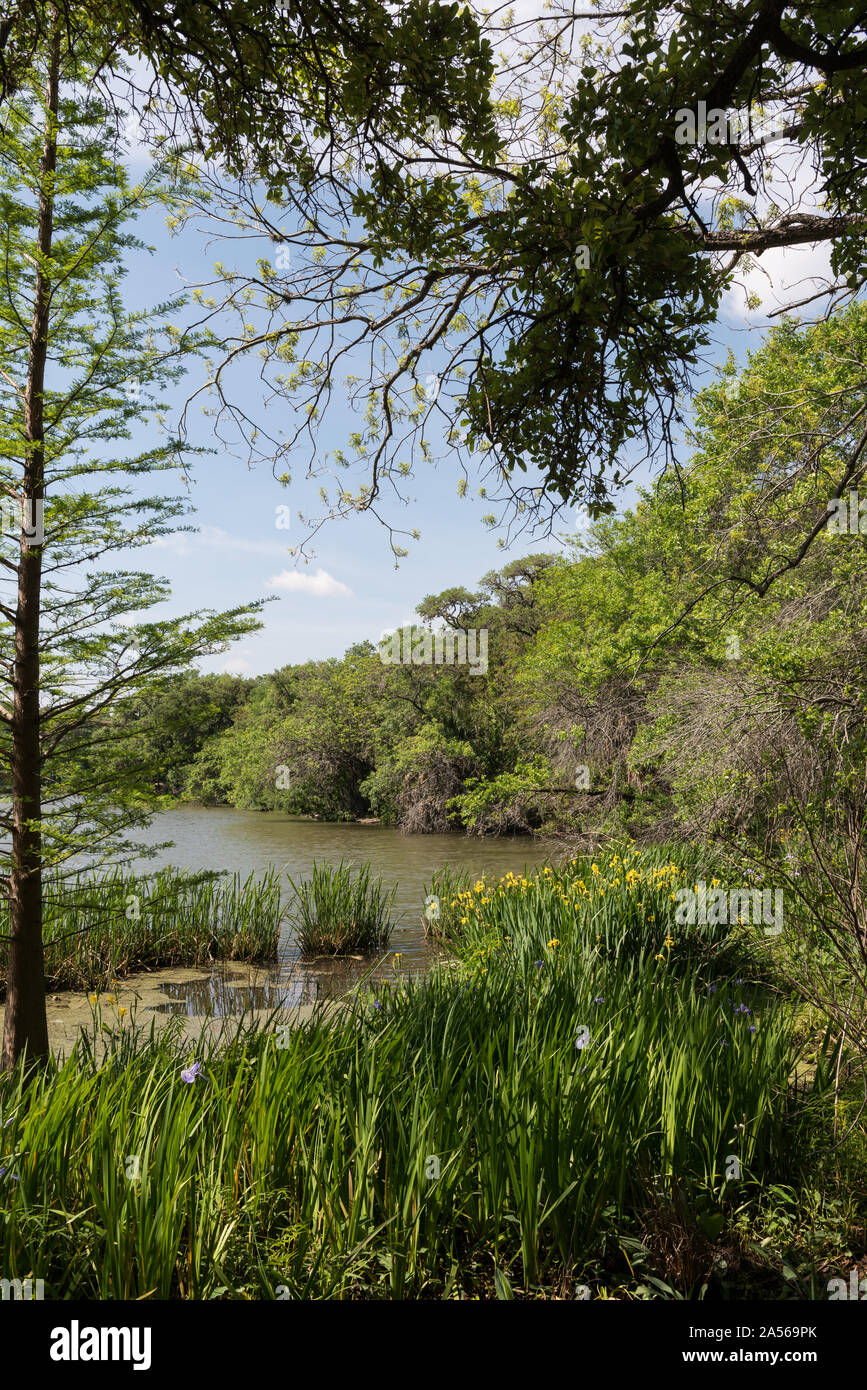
278	89
165	728
541	307
79	371
708	644
381	732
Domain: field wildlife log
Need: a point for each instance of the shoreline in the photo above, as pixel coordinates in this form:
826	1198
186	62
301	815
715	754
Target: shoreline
143	1000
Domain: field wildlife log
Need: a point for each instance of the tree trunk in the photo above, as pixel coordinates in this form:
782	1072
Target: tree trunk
26	1025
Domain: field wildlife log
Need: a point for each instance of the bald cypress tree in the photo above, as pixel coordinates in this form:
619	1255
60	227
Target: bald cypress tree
80	372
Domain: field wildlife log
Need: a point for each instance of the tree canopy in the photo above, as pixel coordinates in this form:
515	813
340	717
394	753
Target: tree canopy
540	304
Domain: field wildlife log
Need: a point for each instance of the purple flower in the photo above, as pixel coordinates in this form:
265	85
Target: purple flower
539	964
13	1176
599	999
377	1004
712	989
189	1074
752	1028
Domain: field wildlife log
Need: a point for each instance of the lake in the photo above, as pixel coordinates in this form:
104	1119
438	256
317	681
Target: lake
255	841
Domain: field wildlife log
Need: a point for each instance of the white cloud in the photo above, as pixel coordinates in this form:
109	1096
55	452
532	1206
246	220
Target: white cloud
236	666
782	276
321	584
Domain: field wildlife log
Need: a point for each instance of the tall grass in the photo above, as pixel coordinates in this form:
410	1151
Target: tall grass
340	910
99	927
509	1115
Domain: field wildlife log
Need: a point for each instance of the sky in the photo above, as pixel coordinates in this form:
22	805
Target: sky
351	590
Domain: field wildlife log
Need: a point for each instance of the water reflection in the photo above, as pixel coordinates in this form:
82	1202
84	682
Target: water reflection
228	991
220	995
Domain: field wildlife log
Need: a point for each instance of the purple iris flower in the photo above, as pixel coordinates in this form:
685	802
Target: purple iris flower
189	1074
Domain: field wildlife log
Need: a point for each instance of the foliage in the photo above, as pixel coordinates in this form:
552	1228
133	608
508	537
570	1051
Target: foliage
339	910
82	370
100	927
544	308
556	1095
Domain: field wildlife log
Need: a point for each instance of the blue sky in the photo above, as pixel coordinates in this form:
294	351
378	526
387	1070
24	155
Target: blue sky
350	590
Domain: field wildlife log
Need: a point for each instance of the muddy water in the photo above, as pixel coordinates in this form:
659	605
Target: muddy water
250	841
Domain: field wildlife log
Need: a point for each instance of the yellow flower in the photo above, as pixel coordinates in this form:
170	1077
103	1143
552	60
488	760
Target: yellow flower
555	941
93	998
669	941
121	1011
659	957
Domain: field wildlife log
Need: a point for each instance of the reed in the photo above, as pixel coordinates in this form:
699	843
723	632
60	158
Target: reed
102	927
510	1114
339	910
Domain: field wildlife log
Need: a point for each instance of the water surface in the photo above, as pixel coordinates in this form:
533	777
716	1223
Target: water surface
253	842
